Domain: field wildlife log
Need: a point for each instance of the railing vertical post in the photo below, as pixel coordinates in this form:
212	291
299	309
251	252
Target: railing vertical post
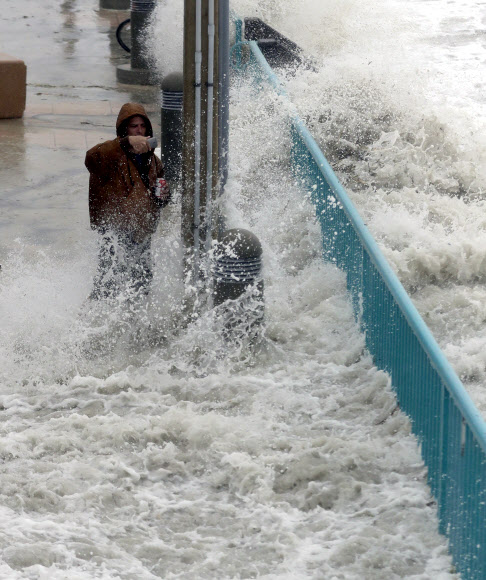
237	60
442	500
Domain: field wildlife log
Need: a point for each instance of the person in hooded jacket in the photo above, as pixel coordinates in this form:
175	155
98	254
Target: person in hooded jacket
123	206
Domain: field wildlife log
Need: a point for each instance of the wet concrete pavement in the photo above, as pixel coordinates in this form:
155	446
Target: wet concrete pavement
73	98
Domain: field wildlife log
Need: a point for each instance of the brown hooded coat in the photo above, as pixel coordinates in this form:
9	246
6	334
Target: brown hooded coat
118	198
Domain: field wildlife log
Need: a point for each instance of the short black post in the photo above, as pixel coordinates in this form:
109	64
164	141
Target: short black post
139	71
171	125
237	271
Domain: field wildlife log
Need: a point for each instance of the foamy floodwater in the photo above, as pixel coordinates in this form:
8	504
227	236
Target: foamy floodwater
135	445
398	108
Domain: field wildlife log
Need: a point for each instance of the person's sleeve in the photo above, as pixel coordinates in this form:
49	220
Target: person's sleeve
100	159
125	144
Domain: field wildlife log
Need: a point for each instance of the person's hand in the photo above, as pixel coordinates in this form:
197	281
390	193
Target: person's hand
139	144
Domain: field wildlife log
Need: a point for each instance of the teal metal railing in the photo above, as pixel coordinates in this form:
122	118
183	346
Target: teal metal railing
450	430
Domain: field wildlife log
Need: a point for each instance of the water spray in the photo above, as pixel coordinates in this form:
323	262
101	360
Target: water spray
138	71
205	158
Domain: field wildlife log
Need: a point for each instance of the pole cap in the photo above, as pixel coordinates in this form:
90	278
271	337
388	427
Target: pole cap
173	83
242	244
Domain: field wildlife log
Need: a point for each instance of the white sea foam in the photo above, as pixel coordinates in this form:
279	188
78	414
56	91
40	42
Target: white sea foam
399	112
190	456
164	38
134	445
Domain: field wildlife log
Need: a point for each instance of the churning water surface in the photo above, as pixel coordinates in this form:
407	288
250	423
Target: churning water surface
397	104
134	446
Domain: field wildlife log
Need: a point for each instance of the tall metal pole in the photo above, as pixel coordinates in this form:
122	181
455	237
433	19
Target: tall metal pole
198	154
224	81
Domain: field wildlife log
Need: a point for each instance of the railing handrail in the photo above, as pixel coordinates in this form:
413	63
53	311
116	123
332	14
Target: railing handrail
451	381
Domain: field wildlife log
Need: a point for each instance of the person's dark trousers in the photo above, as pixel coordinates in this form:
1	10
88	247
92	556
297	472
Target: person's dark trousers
124	266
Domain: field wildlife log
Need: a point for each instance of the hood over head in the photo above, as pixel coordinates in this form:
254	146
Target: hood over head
128	111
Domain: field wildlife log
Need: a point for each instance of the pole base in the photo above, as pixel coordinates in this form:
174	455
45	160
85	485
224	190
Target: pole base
115	4
136	76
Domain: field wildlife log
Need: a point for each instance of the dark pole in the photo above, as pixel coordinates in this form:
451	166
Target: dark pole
224	82
189	97
189	219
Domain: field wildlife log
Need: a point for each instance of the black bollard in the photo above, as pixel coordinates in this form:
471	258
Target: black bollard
237	272
139	71
115	4
171	125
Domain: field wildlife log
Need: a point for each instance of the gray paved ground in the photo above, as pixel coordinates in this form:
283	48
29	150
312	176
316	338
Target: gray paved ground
73	97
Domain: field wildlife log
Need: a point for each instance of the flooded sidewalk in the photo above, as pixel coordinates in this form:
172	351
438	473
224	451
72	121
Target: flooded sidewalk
135	445
73	98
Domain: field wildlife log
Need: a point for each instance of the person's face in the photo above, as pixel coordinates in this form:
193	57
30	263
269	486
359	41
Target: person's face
136	126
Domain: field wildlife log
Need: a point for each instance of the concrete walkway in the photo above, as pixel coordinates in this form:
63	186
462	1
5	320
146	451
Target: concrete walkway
73	98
